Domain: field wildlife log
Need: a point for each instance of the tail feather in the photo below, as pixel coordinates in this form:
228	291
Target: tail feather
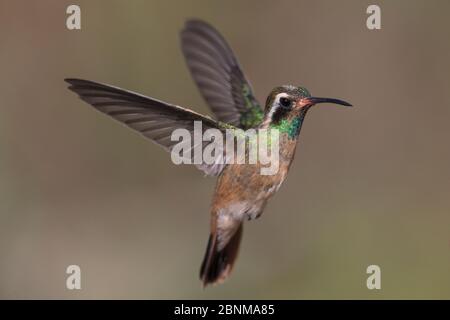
217	265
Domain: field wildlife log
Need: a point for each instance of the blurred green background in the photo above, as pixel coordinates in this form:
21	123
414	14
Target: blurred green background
370	185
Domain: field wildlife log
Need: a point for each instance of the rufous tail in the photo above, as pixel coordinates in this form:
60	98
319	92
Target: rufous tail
217	265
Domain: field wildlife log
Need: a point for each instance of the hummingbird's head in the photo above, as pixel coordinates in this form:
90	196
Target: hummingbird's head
289	102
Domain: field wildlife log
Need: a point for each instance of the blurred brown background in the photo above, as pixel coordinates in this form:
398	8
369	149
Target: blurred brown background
370	185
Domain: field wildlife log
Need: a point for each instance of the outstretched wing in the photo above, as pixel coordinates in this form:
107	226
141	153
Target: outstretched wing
152	118
219	76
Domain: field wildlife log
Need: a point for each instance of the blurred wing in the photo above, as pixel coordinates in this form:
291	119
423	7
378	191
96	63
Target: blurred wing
218	75
152	118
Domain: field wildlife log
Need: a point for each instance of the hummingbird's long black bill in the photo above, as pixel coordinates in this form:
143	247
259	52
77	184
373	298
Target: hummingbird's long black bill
316	100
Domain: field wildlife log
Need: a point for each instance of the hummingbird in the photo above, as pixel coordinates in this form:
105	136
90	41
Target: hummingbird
241	192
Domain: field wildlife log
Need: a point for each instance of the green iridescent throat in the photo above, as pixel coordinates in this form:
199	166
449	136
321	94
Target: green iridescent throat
291	127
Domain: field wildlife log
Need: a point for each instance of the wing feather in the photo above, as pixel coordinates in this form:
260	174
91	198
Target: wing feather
152	118
219	76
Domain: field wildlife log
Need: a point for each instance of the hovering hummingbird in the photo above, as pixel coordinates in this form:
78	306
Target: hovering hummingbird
241	191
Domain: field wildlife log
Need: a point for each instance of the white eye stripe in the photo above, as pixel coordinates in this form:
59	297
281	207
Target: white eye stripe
276	102
280	95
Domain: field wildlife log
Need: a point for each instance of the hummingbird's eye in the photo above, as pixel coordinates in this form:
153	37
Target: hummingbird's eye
285	102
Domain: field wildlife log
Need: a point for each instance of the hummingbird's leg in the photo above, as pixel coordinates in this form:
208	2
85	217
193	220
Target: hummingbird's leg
255	211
